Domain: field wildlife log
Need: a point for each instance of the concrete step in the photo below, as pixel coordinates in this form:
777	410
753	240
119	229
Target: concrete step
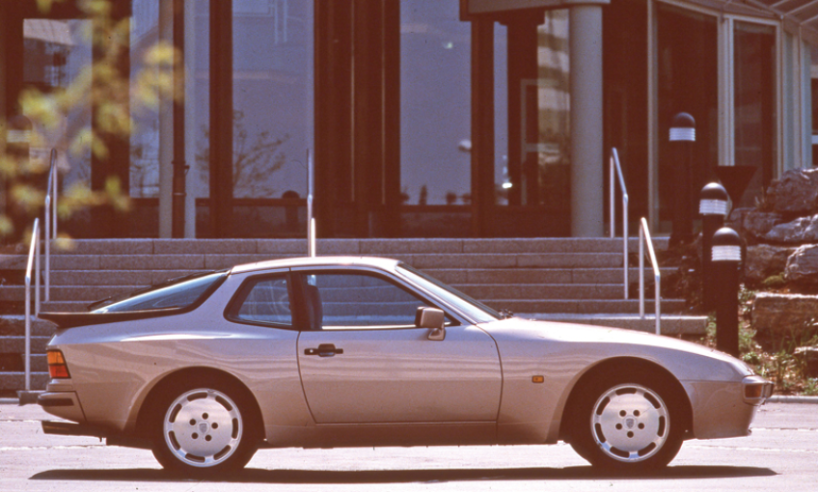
522	260
336	246
14	362
669	324
86	293
543	291
17	344
115	277
499	276
15	325
14	381
194	261
572	306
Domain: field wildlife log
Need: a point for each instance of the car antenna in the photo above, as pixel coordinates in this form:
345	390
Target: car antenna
310	218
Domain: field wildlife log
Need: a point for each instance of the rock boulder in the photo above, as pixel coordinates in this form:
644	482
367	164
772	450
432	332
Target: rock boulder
802	266
799	231
795	193
765	260
784	313
757	224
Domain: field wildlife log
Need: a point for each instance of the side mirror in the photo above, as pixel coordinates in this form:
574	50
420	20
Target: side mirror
432	319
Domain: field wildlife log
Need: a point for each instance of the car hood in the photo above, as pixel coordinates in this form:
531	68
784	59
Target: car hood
607	342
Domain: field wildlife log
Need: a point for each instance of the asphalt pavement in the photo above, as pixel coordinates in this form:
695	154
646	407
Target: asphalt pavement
782	454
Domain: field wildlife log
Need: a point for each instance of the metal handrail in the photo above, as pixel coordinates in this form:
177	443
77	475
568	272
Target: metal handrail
644	237
50	215
310	219
616	165
33	257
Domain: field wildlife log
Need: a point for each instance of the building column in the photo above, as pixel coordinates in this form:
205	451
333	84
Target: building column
193	178
587	166
165	134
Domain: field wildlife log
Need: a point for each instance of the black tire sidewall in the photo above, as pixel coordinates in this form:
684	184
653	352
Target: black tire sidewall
248	443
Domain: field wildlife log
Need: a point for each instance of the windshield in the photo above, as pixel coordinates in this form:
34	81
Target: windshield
471	307
177	295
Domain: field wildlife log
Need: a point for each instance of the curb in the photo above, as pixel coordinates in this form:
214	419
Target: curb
792	399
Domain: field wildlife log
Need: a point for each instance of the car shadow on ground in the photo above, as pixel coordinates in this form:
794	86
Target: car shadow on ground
255	475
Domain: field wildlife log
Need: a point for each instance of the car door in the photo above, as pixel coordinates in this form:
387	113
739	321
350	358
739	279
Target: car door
364	361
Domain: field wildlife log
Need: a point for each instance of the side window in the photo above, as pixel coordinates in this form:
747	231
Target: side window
337	301
267	301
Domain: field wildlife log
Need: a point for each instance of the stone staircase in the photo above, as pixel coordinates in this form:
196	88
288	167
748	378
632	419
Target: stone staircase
566	279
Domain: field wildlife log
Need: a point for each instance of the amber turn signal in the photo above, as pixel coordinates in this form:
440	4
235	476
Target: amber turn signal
57	368
537	379
753	391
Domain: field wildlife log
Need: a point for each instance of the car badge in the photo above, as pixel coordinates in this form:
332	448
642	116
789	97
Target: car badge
203	427
629	423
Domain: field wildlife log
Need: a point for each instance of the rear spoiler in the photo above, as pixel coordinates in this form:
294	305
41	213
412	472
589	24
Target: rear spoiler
73	320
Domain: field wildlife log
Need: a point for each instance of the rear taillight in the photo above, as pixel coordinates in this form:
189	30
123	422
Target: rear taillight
57	367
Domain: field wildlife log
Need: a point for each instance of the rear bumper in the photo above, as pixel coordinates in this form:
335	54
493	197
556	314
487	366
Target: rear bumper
64	404
72	429
112	438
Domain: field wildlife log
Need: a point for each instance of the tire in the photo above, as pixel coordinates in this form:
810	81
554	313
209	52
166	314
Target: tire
203	427
628	422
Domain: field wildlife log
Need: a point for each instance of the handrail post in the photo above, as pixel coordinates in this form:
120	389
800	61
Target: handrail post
644	237
37	273
47	248
658	283
33	256
625	240
54	192
616	165
28	333
310	218
611	200
641	273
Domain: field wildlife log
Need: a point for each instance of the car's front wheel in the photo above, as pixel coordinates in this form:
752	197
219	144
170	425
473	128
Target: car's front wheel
628	422
201	427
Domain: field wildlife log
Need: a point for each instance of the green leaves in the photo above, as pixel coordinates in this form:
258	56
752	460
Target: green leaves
109	93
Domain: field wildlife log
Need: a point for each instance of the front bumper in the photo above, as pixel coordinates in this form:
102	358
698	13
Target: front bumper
725	408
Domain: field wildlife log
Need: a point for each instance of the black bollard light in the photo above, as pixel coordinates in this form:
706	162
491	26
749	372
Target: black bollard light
726	257
713	209
682	140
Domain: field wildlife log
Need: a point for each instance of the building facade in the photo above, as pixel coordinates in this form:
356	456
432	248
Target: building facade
429	118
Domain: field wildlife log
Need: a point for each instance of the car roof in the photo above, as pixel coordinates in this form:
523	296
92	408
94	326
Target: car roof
317	261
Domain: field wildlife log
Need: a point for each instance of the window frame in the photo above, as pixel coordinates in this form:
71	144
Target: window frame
298	275
247	285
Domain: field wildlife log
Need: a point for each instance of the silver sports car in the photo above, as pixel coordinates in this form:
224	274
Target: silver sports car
345	351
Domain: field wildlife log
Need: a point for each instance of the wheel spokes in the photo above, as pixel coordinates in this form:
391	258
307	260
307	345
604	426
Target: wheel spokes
203	427
630	423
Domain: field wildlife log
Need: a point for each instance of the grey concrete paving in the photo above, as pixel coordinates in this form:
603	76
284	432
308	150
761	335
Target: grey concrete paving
782	454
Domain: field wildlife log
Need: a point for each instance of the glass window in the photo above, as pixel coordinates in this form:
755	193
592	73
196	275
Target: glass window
435	55
176	295
268	302
271	118
55	53
474	308
338	301
687	82
146	140
532	106
755	114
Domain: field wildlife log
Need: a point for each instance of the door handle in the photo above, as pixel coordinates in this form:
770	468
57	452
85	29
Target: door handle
324	350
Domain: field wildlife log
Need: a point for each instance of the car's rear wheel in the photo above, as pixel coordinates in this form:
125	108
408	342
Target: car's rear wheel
628	422
201	427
